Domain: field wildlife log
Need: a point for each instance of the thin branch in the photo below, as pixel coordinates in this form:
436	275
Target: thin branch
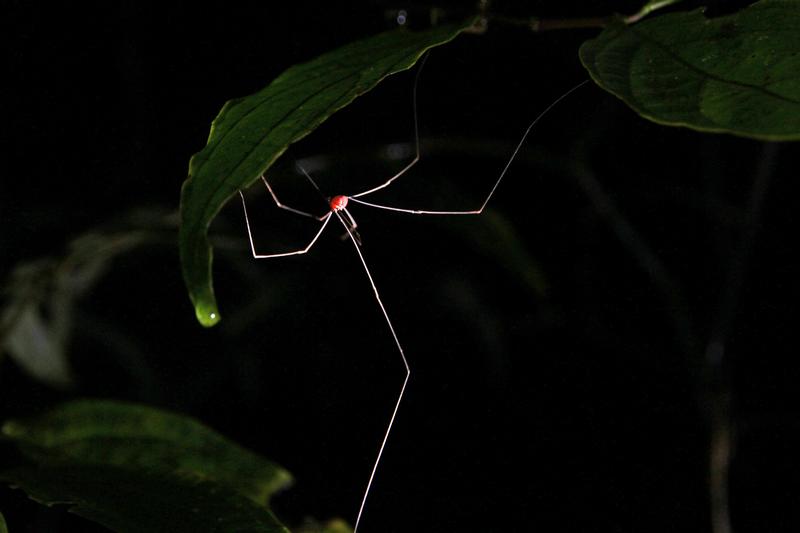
648	8
721	418
537	24
670	289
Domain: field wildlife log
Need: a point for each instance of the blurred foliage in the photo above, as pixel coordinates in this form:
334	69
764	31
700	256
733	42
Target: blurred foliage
135	436
40	297
336	525
169	472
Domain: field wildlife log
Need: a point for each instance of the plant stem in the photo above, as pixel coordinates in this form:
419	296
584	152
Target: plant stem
647	259
720	390
648	8
537	24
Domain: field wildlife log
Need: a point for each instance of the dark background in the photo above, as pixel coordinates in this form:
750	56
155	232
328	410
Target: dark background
559	343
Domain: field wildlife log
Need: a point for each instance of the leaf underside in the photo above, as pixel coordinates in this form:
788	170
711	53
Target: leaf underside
737	74
132	467
250	133
140	501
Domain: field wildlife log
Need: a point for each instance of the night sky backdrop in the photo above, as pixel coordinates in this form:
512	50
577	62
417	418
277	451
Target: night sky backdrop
559	343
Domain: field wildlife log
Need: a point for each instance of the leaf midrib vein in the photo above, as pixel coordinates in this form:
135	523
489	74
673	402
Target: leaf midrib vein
666	49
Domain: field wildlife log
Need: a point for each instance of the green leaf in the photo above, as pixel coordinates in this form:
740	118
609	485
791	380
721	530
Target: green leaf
117	434
250	133
737	74
135	500
336	525
3	527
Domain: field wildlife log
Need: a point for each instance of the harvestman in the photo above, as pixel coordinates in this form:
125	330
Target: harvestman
338	208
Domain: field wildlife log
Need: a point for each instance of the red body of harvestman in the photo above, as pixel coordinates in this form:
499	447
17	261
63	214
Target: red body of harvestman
338	208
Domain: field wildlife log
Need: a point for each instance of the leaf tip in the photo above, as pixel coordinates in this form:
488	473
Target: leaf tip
207	314
12	429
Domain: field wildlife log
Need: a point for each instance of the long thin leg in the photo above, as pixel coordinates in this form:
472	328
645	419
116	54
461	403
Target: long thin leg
324	219
420	211
502	174
286	207
311	180
353	226
416	138
405	363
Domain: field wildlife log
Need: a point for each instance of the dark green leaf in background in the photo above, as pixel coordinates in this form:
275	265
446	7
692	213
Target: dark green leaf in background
737	74
135	468
3	528
250	133
128	435
137	500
